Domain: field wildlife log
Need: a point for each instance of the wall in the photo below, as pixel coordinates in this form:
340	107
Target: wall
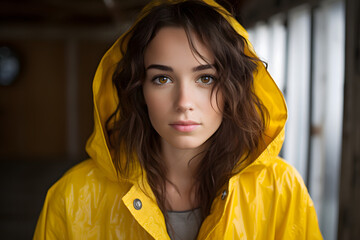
46	115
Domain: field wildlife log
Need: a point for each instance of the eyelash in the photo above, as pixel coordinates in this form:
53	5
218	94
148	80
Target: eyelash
210	77
156	80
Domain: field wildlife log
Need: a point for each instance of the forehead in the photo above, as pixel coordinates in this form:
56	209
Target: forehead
172	43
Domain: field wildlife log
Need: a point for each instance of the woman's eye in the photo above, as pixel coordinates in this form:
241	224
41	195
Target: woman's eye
161	80
206	80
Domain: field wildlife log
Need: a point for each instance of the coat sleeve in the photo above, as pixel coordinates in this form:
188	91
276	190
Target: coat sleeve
296	216
52	221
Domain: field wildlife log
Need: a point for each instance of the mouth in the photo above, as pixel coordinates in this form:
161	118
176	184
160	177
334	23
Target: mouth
185	126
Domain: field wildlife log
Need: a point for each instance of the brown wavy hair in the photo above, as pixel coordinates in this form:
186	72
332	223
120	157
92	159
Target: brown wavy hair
239	135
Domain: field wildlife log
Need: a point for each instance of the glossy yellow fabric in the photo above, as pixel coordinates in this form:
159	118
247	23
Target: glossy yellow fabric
266	200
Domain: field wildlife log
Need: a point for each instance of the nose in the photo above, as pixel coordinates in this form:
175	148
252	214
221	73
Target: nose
184	98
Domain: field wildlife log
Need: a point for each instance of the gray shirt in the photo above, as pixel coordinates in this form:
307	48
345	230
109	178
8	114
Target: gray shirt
184	225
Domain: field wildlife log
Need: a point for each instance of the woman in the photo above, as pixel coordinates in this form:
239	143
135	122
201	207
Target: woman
188	126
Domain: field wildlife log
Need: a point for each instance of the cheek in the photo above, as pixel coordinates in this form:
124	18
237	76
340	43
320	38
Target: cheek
218	108
217	104
156	105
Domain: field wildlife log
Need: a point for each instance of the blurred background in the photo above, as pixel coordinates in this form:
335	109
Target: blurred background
49	51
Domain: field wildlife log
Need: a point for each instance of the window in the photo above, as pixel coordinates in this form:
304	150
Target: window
305	50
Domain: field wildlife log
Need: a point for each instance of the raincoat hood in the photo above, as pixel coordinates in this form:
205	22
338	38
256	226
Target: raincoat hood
105	103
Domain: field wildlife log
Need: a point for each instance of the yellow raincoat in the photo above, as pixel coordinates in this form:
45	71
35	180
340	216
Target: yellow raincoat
266	200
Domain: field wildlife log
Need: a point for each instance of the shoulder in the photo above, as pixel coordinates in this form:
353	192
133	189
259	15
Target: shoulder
81	173
74	179
274	170
272	177
274	188
285	174
82	192
294	206
279	181
78	175
84	179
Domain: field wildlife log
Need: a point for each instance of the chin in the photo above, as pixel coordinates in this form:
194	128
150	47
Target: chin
185	144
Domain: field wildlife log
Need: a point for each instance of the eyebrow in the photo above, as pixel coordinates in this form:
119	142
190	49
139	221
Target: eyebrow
203	67
160	67
169	69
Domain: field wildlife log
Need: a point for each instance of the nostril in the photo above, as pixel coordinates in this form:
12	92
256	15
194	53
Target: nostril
184	108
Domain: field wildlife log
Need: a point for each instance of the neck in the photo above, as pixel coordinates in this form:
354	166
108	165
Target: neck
181	171
181	163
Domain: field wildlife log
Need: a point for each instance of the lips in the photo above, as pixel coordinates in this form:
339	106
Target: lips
185	126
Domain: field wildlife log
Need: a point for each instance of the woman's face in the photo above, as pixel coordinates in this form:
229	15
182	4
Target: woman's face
177	89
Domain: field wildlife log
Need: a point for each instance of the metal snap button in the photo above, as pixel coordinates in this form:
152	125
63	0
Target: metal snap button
137	204
224	194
